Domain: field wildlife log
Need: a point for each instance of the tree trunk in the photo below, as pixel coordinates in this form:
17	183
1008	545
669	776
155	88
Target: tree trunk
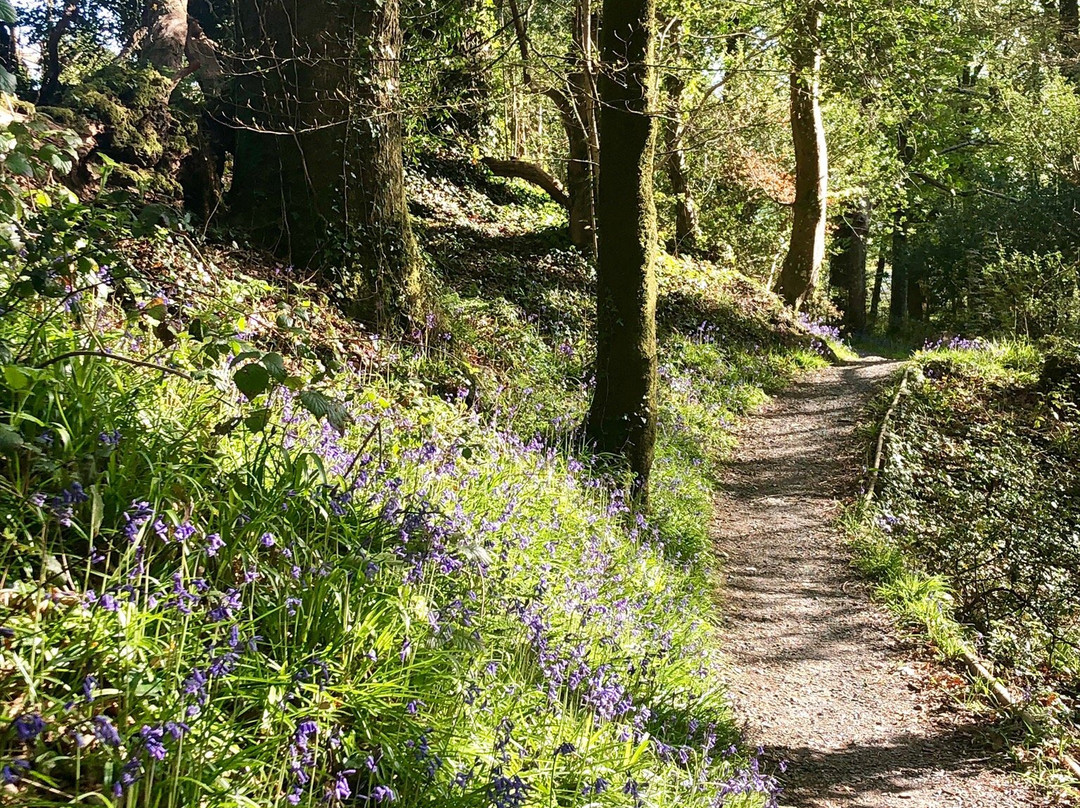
532	174
622	418
686	215
50	77
166	22
806	253
577	113
898	299
879	282
848	265
318	171
1069	37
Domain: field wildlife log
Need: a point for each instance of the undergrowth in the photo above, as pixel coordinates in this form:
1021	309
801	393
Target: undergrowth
286	561
973	537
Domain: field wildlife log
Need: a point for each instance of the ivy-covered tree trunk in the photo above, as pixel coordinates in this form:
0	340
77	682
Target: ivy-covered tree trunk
848	265
806	252
622	418
319	174
166	23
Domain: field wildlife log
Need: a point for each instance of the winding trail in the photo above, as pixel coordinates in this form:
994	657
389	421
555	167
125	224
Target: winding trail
816	672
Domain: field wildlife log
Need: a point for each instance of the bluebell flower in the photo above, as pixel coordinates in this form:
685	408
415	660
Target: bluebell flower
105	731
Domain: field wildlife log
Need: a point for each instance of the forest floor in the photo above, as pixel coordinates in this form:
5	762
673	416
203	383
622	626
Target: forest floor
818	673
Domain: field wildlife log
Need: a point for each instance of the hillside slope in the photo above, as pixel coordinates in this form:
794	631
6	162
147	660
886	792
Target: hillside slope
255	554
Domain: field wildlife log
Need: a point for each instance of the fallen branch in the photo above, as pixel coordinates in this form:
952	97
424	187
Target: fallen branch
879	452
532	174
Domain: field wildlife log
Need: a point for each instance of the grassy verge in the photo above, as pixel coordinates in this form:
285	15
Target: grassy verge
972	540
388	578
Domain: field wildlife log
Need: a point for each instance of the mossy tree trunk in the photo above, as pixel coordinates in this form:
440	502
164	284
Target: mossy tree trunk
678	173
848	265
806	252
319	170
166	23
622	418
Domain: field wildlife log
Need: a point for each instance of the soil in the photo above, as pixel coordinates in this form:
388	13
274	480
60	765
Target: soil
818	673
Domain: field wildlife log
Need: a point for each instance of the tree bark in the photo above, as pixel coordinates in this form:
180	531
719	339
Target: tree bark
898	298
318	167
622	417
686	215
806	253
848	265
531	173
50	80
879	282
165	47
1069	37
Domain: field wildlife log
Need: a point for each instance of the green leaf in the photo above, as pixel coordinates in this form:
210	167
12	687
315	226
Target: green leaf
257	421
8	82
252	380
16	377
10	440
18	163
97	510
322	406
7	12
275	365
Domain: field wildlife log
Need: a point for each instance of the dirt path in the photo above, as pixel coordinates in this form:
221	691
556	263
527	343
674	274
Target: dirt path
816	673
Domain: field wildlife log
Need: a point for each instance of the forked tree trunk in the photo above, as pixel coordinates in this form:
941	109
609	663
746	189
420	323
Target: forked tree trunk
576	103
848	265
319	172
166	23
806	253
622	418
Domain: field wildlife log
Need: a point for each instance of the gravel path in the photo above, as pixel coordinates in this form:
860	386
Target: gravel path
816	672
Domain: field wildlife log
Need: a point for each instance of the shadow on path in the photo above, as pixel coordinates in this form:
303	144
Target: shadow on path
815	670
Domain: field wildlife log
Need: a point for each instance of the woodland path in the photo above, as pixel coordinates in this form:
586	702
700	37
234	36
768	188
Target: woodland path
816	672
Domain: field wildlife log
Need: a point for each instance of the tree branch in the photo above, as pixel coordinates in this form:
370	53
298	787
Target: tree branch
531	173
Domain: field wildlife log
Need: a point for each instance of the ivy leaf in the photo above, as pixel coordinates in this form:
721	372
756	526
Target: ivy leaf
252	380
322	406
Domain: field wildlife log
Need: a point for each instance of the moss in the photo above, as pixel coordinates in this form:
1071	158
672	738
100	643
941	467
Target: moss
62	116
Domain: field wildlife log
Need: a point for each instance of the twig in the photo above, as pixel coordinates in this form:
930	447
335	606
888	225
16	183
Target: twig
119	358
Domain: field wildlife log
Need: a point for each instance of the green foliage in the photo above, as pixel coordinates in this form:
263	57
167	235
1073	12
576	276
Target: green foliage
413	599
981	489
